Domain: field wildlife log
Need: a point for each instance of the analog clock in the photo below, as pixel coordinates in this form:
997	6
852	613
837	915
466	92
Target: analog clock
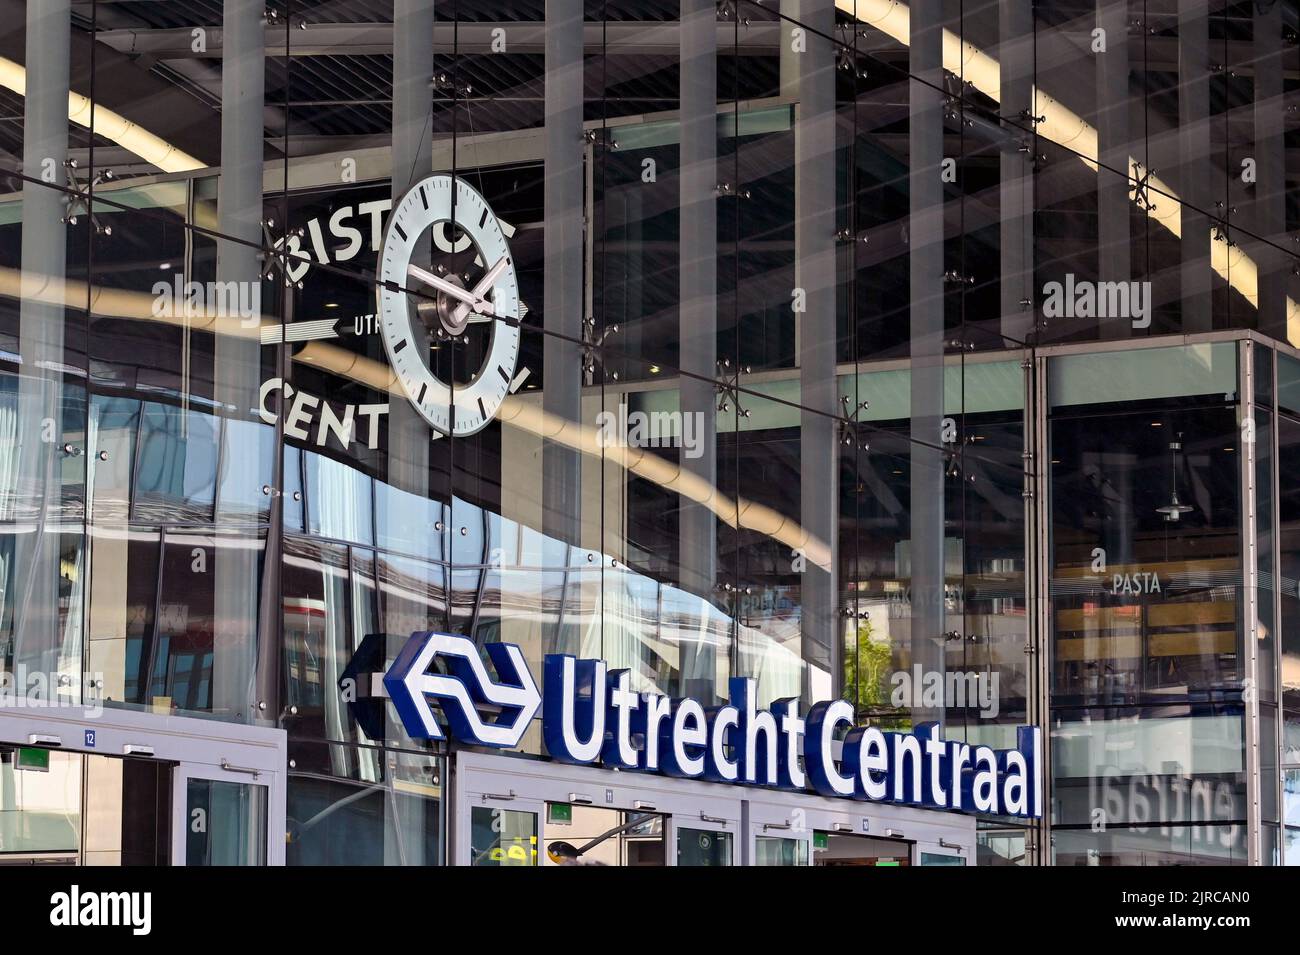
472	289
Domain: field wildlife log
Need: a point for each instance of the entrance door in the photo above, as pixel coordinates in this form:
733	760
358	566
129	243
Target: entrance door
805	829
500	829
512	811
224	816
942	852
101	786
778	835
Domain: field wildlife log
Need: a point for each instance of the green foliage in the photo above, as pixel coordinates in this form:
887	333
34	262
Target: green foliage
867	665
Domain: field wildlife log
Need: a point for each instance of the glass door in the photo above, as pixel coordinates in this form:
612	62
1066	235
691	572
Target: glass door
940	853
778	836
708	841
772	848
501	830
222	819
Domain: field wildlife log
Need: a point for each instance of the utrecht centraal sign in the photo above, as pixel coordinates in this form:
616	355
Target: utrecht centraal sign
590	714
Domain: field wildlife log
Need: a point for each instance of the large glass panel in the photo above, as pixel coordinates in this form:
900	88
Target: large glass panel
176	367
979	658
123	609
45	237
1257	54
1288	584
357	805
318	644
195	663
1148	686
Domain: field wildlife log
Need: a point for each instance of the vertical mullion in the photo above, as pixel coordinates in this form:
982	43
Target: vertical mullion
1250	610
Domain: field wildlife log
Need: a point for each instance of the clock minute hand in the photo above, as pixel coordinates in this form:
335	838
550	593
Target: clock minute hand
480	303
441	284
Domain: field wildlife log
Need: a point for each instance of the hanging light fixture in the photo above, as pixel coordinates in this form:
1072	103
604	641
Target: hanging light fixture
1175	509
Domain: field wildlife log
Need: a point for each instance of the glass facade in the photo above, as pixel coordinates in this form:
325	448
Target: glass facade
940	357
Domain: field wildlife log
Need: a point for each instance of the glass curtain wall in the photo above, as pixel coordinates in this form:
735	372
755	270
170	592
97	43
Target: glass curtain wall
759	395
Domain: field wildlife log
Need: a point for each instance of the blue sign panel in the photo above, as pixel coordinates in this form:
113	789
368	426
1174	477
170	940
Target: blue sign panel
591	715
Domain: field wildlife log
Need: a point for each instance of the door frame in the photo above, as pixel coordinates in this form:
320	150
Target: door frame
198	748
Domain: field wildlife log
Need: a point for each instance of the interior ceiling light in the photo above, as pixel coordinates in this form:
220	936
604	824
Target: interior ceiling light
1175	508
152	149
1064	127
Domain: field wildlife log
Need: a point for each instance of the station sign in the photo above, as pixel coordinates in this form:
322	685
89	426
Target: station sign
591	715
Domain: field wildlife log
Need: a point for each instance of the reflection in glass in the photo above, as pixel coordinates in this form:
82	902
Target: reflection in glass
780	851
351	805
702	847
40	800
226	823
502	837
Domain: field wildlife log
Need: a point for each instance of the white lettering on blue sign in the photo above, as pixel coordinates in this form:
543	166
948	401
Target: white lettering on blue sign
590	714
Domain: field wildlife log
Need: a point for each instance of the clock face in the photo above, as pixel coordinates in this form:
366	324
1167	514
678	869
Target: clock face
471	291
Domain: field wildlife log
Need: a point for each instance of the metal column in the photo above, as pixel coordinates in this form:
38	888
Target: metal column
789	62
1268	219
1198	163
697	314
41	420
237	359
1113	184
815	273
1250	612
563	302
925	238
409	436
1016	172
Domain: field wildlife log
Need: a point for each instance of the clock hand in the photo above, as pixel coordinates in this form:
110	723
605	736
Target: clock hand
481	304
508	319
441	284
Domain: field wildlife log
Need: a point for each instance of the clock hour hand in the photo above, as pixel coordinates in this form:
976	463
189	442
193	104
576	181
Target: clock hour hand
480	303
441	284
